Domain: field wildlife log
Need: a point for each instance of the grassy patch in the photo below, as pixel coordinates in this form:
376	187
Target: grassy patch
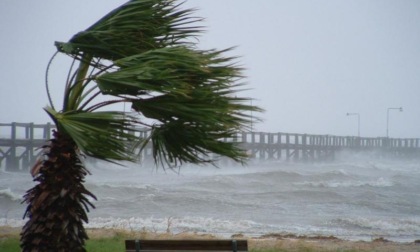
105	244
111	244
10	244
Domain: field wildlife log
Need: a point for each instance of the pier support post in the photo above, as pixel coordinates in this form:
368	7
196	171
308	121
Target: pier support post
11	159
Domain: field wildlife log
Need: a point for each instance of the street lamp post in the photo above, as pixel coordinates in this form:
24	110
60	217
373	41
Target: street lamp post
387	118
358	121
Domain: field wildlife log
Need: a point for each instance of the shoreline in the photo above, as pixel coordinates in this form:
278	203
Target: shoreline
271	241
167	227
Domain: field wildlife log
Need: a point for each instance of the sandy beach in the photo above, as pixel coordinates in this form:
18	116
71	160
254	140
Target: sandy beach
272	242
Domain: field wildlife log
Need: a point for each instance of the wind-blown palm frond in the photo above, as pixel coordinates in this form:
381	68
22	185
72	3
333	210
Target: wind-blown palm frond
188	88
104	135
133	28
169	70
178	142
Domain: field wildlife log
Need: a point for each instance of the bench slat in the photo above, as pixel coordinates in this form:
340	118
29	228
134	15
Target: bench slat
187	245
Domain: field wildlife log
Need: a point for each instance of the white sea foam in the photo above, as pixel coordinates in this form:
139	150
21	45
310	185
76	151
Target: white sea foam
380	182
12	222
385	226
176	225
8	193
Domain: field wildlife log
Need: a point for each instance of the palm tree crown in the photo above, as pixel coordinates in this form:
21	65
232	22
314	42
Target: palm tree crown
143	54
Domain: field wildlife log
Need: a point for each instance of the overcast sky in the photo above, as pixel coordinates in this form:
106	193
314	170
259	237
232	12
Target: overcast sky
308	63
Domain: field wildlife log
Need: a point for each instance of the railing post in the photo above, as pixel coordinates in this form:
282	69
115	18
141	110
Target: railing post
252	144
29	148
296	154
270	145
279	145
304	148
262	142
47	131
11	159
244	137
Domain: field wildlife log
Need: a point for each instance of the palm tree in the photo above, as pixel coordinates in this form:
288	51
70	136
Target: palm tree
143	53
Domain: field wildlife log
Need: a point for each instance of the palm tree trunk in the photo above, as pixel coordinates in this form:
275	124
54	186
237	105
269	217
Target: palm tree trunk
57	205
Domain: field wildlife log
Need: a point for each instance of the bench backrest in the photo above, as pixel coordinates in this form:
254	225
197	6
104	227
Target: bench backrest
186	245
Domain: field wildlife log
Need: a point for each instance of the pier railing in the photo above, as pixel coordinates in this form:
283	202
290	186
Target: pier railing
288	146
20	142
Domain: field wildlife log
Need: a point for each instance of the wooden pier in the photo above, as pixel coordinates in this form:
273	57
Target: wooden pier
305	147
20	142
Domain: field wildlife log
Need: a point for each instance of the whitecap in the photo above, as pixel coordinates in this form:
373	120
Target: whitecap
8	193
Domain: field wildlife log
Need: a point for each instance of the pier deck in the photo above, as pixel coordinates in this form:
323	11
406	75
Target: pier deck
20	142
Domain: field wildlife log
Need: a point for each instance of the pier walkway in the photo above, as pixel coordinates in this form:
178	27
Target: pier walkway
20	142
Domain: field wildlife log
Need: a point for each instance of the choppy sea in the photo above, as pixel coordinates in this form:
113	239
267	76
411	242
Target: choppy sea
355	198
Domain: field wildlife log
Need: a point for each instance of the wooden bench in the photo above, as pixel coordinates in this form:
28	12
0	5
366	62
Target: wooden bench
186	245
